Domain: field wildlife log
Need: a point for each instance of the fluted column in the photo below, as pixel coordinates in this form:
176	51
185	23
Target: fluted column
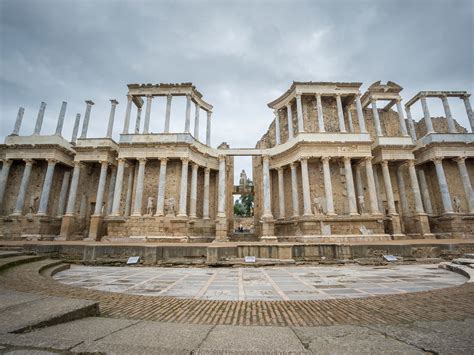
299	114
63	193
411	124
328	186
360	114
443	185
208	128
45	191
87	116
267	207
110	193
466	182
62	113
221	188
128	111
449	117
402	193
187	123
205	206
160	203
4	178
426	114
375	113
117	196
290	121
401	119
169	97
281	193
388	188
19	119
146	126
277	127
306	188
425	193
415	187
470	115
25	180
39	118
294	191
319	107
128	196
340	114
196	122
350	187
183	191
110	126
101	188
138	120
374	205
137	209
71	202
193	199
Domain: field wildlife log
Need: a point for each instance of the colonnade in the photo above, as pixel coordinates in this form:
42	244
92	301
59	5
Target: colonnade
377	124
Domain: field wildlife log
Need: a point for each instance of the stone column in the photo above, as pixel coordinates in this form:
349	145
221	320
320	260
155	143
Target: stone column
193	199
138	120
443	185
350	187
375	113
403	127
110	126
466	182
118	188
277	127
205	207
62	113
415	187
101	188
221	188
128	111
425	194
306	188
294	191
426	114
196	122
39	118
146	126
267	207
183	191
63	193
45	191
328	186
76	128
360	114
378	189
281	193
169	97
208	128
411	124
137	209
319	107
359	188
87	115
187	124
71	202
374	205
349	119
299	114
290	121
19	119
449	117
470	115
160	203
4	178
402	193
128	196
110	193
25	179
340	114
388	188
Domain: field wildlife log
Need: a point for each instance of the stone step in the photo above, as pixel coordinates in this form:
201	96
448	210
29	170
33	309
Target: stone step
12	261
9	253
468	256
463	261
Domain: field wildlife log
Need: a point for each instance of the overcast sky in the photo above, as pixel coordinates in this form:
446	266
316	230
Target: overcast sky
239	54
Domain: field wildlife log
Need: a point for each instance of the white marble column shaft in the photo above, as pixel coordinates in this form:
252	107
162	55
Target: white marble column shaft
208	128
146	126
466	182
128	196
319	107
306	188
378	189
328	186
128	112
375	113
71	202
87	116
401	119
63	194
137	209
19	119
374	204
277	127
25	180
75	130
193	197
183	191
443	186
340	114
470	115
62	113
449	116
187	123
39	118
196	122
294	191
205	201
160	203
110	125
281	194
427	116
45	191
138	120
415	187
402	192
169	98
101	188
290	122
388	188
425	193
349	120
267	206
221	188
360	115
118	188
351	196
411	124
299	114
110	193
4	179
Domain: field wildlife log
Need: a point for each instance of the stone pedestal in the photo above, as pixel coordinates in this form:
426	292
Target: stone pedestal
395	226
67	227
95	228
221	230
268	230
423	226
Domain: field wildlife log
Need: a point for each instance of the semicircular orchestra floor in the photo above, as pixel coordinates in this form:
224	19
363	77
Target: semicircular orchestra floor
265	283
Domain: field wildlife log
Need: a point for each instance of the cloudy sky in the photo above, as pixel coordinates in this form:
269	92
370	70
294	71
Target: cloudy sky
239	54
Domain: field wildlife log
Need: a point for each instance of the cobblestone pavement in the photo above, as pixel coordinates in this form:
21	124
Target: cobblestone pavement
266	284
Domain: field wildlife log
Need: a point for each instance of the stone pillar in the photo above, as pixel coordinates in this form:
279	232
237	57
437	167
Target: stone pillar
110	126
183	191
187	124
71	202
415	187
290	121
205	207
319	107
4	178
45	191
196	122
340	114
117	196
402	193
128	196
449	117
277	127
160	203
443	185
138	120
208	128
403	127
388	188
62	113
193	199
267	207
63	194
411	124
39	118
294	191
351	197
19	119
470	115
374	205
299	114
76	128
349	119
378	189
306	189
101	188
221	188
426	114
359	188
87	115
146	126
466	182
25	179
169	97
137	209
128	111
110	193
360	114
375	113
281	193
328	186
425	194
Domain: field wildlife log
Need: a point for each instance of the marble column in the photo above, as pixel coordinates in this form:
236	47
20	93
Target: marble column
110	193
466	183
470	115
378	189
374	205
110	125
128	196
221	188
25	180
359	188
19	119
299	114
360	114
137	208
208	128
205	206
306	189
290	121
328	187
351	197
183	191
45	191
375	113
138	120
187	123
281	194
449	117
62	113
277	127
128	111
160	203
443	185
388	188
4	178
340	114
146	126
319	107
87	116
193	197
196	122
349	119
402	192
75	130
101	188
401	119
39	118
294	191
411	124
267	207
425	193
415	187
71	202
426	114
169	97
117	196
63	194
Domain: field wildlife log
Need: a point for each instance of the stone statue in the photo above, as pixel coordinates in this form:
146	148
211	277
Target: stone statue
361	204
149	206
170	207
457	204
318	205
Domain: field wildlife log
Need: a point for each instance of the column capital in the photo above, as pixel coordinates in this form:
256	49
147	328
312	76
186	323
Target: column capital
346	159
139	109
288	106
317	95
141	160
293	165
104	162
207	170
77	164
114	102
184	160
304	159
373	100
163	161
437	160
411	162
460	159
149	96
29	161
209	114
337	94
384	163
325	159
7	162
121	160
465	96
279	168
51	161
221	157
398	100
368	159
188	96
129	98
89	102
195	166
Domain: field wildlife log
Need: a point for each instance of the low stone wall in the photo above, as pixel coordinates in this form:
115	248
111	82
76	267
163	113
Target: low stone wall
453	226
16	228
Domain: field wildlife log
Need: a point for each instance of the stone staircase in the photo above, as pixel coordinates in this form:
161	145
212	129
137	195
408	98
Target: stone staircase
463	266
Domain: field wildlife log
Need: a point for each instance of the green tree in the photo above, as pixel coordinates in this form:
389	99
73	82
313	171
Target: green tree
239	209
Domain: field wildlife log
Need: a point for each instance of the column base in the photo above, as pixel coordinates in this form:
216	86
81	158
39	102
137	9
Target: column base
268	228
95	228
331	214
136	215
67	226
159	214
423	225
42	214
16	214
395	225
182	215
353	214
221	230
269	238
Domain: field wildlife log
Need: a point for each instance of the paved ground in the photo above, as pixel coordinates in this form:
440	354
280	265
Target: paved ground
267	284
